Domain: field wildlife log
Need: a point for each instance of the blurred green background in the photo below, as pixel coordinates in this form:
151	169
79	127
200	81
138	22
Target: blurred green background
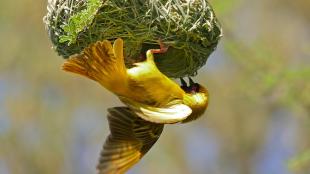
258	120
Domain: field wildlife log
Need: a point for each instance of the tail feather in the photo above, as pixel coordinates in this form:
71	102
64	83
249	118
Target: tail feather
130	138
101	62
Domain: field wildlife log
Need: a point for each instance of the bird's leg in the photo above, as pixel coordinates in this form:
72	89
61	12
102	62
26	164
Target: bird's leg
162	48
150	52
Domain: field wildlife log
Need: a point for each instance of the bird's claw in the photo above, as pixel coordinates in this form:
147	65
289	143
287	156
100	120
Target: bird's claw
163	48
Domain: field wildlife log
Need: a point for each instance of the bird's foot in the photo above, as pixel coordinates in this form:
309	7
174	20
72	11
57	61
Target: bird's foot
163	48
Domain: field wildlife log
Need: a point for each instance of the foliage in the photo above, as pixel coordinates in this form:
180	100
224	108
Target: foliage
79	22
300	161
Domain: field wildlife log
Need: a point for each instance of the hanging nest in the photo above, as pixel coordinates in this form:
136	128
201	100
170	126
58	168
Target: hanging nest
188	27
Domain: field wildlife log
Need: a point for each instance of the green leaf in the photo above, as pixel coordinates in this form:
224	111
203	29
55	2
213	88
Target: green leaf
79	21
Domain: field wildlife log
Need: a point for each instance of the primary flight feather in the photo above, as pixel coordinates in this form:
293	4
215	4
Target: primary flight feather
130	139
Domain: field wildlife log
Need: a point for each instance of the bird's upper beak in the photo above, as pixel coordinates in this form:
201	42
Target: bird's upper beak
191	88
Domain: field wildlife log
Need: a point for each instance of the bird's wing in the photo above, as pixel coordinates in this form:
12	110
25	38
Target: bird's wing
170	114
131	137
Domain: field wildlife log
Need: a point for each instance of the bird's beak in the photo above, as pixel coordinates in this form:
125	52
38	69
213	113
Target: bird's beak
191	82
183	82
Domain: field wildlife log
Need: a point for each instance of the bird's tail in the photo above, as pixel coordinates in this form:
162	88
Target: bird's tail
131	137
103	63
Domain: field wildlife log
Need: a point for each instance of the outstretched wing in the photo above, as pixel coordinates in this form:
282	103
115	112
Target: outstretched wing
131	137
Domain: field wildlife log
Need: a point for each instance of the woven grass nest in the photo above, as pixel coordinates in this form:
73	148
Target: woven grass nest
189	27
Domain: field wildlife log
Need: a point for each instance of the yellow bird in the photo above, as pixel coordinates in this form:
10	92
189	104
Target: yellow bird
152	99
151	94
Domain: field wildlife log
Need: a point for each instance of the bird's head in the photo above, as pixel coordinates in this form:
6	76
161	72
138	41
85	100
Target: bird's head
196	98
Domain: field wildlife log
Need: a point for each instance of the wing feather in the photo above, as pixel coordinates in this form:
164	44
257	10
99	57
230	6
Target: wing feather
130	139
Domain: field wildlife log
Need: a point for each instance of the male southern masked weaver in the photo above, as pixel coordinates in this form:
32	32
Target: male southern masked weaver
153	100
